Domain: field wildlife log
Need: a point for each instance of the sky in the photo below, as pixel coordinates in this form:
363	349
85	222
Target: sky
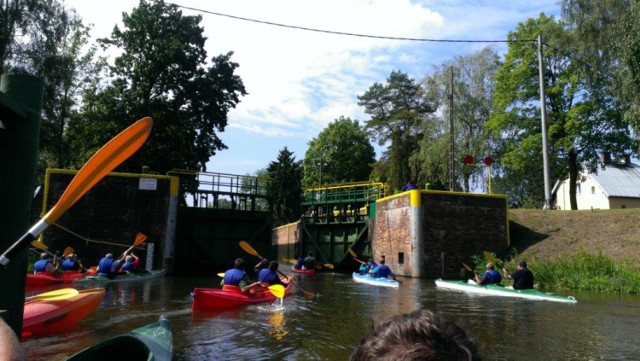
299	81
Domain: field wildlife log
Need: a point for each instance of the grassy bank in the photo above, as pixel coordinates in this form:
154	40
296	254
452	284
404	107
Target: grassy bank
586	250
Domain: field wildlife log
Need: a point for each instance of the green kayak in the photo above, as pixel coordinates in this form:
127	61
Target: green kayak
496	290
127	277
151	342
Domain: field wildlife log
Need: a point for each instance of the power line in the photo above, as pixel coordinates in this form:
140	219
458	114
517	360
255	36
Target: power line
346	33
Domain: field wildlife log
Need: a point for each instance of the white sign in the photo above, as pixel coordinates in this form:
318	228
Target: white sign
148	184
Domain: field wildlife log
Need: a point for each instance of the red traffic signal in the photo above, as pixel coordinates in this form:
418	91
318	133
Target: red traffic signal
468	159
488	160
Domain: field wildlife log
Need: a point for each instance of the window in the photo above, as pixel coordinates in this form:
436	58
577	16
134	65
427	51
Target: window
593	189
401	258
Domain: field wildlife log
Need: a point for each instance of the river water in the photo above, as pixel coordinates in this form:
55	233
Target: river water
329	325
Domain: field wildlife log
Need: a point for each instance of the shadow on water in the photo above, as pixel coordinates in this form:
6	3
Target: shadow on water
329	325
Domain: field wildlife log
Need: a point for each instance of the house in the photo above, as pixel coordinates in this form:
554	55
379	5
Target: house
615	185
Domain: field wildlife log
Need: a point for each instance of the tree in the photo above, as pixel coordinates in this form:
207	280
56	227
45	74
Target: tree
162	73
397	112
607	42
581	120
340	153
286	176
472	92
18	20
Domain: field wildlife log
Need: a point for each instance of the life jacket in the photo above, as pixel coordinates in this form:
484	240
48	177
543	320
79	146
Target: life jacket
41	265
233	277
70	265
268	276
104	267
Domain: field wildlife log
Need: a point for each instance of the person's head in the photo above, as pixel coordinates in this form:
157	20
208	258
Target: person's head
490	266
128	258
381	261
109	255
273	265
238	263
419	335
44	255
72	256
521	264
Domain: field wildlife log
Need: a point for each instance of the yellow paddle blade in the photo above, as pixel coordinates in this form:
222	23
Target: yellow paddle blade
489	257
328	265
277	290
60	294
352	253
247	248
288	260
221	275
39	245
466	266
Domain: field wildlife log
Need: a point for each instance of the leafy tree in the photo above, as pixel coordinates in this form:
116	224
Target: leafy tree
581	120
397	112
340	153
18	19
607	42
286	176
472	91
162	72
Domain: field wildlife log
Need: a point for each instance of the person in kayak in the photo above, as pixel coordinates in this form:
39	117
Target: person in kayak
522	277
72	263
236	276
131	263
419	335
108	266
382	270
270	275
365	268
309	262
44	264
299	262
489	276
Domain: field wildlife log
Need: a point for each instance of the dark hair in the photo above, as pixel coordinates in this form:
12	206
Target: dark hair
522	264
239	263
273	265
419	335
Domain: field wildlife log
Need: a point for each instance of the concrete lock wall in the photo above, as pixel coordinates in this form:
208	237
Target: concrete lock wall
430	233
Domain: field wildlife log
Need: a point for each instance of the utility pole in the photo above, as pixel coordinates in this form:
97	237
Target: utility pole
451	138
543	118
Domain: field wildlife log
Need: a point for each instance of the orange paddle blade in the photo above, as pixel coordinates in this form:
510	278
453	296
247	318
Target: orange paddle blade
112	154
140	238
68	251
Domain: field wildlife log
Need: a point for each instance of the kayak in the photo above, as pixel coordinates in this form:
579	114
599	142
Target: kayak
367	279
45	317
151	342
303	271
126	277
48	278
231	296
495	290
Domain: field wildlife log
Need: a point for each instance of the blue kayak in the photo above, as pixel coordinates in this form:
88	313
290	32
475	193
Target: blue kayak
367	279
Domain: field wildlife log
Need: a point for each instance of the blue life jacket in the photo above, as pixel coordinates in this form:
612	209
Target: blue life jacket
41	265
491	276
268	276
104	267
128	266
233	277
298	265
364	269
69	265
382	271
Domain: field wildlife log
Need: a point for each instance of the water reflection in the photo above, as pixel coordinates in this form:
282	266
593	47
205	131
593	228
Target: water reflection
330	324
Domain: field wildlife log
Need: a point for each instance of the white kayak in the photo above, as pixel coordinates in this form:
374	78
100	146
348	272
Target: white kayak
384	282
495	290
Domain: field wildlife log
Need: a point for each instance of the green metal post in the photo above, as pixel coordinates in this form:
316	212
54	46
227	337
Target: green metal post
20	108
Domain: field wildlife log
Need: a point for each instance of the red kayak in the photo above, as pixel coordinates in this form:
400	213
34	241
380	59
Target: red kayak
231	296
303	271
46	317
47	278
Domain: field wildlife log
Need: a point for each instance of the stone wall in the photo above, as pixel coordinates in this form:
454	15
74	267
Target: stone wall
453	227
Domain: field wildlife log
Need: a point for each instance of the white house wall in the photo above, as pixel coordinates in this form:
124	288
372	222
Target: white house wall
589	195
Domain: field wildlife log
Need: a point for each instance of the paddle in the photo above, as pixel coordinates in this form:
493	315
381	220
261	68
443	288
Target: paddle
326	265
140	238
288	260
67	251
112	154
466	266
277	290
247	248
56	295
490	258
355	256
221	275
